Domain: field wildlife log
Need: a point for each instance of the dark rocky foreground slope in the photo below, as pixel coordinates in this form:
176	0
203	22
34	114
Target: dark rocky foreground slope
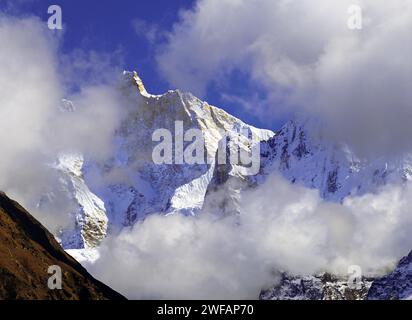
27	250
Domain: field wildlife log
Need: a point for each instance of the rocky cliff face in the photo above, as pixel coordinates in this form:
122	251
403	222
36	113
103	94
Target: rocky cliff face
27	250
318	287
301	153
91	221
396	285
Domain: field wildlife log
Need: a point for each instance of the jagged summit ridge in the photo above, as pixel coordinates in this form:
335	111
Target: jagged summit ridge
297	151
182	188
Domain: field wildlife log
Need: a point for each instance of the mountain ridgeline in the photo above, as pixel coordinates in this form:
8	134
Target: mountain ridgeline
297	151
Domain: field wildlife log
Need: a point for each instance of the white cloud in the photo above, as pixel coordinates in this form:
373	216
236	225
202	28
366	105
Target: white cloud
305	56
181	257
281	227
146	30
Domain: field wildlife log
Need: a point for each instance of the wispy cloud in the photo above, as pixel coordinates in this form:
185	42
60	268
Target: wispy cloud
148	31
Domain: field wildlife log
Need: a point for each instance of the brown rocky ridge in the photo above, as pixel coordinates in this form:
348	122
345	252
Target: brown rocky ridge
27	250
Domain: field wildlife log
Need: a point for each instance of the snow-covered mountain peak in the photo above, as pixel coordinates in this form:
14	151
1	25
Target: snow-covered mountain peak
166	188
133	186
162	111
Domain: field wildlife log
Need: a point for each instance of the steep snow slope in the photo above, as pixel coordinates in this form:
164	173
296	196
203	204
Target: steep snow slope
89	214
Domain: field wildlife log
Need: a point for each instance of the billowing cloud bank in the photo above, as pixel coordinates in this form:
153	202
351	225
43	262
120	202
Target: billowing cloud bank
281	227
307	60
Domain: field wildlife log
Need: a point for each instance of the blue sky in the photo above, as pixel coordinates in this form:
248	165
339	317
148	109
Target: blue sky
107	26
